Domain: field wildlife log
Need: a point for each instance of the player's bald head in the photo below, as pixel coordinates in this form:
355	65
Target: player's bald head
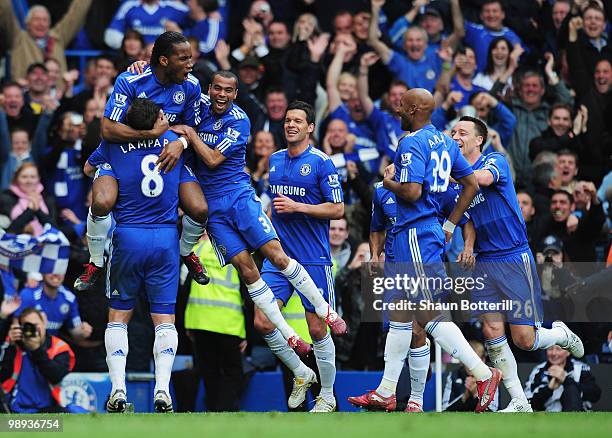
416	107
421	98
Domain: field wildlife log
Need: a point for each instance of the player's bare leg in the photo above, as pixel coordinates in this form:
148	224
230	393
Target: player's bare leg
194	205
164	350
262	296
104	196
304	377
116	343
301	280
325	354
418	362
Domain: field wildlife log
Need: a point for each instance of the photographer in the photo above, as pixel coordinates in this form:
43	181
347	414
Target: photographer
33	364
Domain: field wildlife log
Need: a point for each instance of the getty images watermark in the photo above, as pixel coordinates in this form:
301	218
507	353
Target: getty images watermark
414	289
521	292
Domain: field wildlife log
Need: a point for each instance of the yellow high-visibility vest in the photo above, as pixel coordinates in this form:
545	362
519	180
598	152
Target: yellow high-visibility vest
293	313
216	307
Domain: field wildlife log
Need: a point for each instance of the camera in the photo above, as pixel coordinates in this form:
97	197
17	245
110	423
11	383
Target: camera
548	258
29	330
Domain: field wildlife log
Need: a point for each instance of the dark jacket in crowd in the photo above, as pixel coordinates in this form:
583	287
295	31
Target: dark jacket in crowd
576	393
549	141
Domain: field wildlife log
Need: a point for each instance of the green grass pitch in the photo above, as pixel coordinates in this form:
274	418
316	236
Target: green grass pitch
370	425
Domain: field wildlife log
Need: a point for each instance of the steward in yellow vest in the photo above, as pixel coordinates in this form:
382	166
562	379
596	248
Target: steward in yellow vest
214	319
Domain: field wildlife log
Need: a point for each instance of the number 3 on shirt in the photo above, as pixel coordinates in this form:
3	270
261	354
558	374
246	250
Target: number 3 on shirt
441	171
152	185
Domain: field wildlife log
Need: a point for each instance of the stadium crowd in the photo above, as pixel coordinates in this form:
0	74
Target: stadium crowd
539	72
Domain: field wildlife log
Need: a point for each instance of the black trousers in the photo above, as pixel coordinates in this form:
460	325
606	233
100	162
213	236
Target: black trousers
219	362
571	399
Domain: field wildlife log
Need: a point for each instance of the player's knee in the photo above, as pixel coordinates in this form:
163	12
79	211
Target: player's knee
249	274
199	212
524	341
492	330
262	324
317	332
279	259
419	336
102	204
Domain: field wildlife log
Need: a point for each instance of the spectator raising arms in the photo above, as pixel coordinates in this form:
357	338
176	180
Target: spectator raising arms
40	41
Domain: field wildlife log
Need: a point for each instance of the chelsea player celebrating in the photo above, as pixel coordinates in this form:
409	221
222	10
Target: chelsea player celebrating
505	261
144	255
237	224
308	195
168	83
424	163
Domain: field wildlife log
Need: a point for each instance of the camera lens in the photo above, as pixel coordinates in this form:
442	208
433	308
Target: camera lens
28	330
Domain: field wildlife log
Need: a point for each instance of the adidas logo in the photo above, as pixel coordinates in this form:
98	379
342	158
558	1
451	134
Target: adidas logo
118	353
168	350
143	94
273	169
115	292
390	201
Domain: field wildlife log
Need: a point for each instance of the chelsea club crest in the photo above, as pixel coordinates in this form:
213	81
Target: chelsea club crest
178	97
305	169
218	125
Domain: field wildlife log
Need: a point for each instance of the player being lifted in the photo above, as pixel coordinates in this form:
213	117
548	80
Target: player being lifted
237	223
505	260
307	194
144	251
168	83
424	163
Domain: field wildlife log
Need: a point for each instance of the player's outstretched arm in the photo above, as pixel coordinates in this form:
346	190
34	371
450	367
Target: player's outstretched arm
327	210
117	132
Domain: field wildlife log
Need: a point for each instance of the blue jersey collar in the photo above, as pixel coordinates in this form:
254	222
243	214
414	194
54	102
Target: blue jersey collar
308	149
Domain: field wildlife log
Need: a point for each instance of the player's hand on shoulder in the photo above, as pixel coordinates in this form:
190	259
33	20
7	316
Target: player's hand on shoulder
137	67
185	130
169	156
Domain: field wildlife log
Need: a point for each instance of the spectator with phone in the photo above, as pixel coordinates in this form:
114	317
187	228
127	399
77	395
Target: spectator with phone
33	365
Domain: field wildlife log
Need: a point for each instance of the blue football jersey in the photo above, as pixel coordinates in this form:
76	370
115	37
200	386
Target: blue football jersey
428	157
180	103
362	130
384	207
146	197
229	134
149	19
447	200
63	309
309	178
495	210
